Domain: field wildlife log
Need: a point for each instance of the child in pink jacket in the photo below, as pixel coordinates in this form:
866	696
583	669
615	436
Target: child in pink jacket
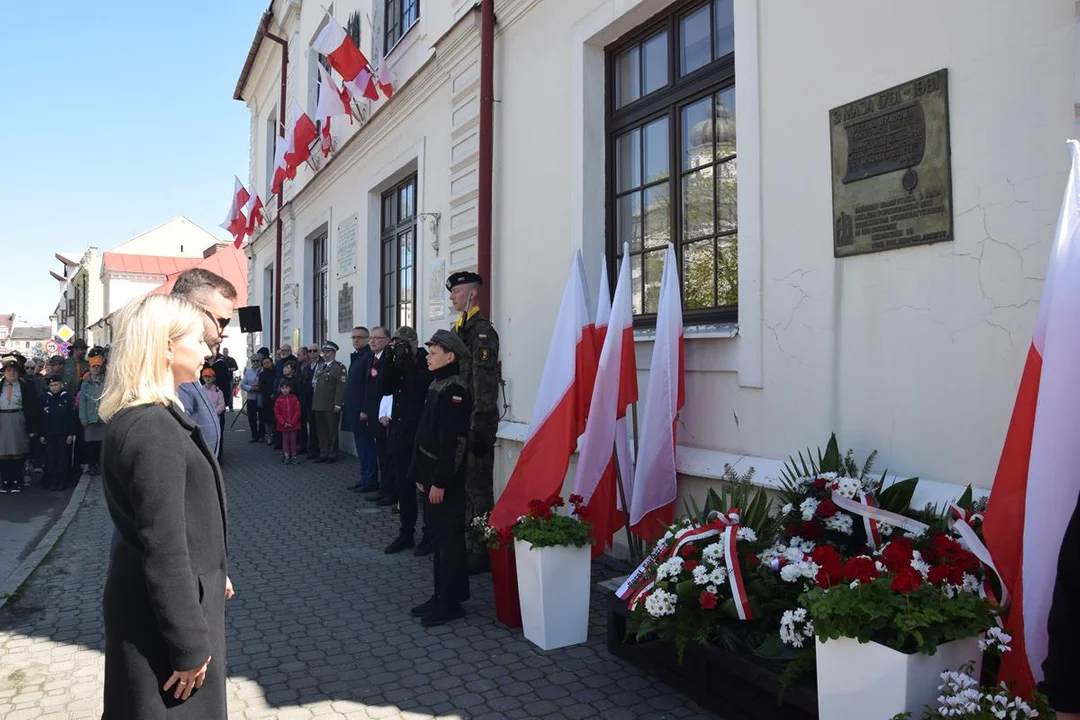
287	414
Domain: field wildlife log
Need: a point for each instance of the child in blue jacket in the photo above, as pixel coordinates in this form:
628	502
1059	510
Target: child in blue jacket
58	406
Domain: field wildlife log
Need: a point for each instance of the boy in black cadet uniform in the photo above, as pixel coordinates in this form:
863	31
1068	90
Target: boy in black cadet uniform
438	470
58	407
1062	665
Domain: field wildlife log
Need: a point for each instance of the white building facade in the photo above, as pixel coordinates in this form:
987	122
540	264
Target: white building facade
705	123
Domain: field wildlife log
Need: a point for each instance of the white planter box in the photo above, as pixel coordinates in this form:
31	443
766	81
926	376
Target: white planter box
868	681
553	583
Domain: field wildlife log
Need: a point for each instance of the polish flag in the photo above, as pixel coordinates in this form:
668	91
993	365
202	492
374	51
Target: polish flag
281	169
614	391
254	211
363	85
652	504
340	50
386	79
235	221
301	136
332	102
1038	476
558	414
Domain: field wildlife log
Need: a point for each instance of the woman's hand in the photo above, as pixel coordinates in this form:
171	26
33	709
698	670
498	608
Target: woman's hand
229	592
436	495
186	681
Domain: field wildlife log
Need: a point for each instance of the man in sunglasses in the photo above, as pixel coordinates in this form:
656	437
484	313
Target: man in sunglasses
217	298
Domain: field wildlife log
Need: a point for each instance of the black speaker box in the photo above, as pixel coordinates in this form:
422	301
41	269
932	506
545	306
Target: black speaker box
250	319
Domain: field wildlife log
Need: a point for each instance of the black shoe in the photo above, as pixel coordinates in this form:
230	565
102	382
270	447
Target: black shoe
387	501
425	608
479	564
357	487
442	615
320	460
401	542
424	548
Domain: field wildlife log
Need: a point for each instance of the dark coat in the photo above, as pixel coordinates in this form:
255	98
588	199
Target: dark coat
59	412
356	388
372	400
1063	626
406	378
164	605
442	436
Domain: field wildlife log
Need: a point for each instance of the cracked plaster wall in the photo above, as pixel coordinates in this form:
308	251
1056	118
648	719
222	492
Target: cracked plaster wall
915	352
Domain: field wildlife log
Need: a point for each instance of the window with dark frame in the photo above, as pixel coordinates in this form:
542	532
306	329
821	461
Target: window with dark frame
397	287
401	15
672	172
320	280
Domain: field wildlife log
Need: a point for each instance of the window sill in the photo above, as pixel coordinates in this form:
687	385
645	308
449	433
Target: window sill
401	39
701	331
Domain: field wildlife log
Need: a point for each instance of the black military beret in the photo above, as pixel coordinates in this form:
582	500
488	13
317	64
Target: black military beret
463	277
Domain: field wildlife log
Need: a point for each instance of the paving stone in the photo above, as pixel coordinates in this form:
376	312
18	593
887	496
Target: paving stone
319	628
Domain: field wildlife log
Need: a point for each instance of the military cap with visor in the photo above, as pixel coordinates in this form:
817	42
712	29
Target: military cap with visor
449	341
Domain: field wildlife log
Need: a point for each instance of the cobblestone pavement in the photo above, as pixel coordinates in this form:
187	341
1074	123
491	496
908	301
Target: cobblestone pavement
319	627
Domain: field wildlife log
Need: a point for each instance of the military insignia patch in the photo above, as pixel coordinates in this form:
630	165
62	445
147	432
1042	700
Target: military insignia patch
483	354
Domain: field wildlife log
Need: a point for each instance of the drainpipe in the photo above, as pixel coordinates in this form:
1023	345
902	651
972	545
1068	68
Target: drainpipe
275	330
487	101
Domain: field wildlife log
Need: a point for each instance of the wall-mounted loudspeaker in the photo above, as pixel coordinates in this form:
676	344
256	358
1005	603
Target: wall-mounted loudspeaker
250	319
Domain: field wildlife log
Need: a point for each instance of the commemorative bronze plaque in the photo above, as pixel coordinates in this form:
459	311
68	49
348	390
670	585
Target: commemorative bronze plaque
891	174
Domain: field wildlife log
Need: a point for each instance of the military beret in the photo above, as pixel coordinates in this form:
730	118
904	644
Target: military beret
56	360
330	345
449	341
407	333
463	277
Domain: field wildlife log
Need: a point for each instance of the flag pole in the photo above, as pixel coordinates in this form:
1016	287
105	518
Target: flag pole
635	556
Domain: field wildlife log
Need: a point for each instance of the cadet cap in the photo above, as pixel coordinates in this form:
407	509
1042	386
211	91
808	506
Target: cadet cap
407	333
464	277
50	379
330	345
449	341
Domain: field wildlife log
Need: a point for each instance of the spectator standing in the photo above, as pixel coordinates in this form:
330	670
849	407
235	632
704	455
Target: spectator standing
253	398
89	401
59	432
328	399
233	369
287	414
20	422
217	398
355	387
307	375
267	384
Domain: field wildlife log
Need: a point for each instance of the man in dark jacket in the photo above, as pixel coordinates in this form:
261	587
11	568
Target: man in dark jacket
438	470
1062	665
403	373
307	375
355	389
59	432
372	418
216	296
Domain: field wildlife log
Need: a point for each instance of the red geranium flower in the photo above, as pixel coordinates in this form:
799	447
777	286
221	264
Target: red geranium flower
539	509
555	501
906	580
826	509
707	601
829	564
576	499
939	575
897	554
810	530
860	568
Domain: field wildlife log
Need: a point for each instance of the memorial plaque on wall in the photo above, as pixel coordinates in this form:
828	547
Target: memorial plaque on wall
891	174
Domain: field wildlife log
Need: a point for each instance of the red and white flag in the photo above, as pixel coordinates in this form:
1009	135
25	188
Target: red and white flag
386	78
652	504
300	137
254	211
235	222
1038	477
558	415
340	50
281	169
615	389
333	102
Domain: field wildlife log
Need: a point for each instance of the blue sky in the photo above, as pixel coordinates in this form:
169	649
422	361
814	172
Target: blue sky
116	117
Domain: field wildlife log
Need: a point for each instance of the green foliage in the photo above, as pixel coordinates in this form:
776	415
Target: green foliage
917	622
558	530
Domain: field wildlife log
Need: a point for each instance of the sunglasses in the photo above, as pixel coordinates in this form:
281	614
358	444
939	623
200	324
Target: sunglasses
219	323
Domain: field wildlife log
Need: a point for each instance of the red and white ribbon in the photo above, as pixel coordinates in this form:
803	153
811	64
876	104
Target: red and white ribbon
877	514
961	525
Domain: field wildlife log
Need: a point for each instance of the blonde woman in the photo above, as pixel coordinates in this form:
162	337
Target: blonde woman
165	595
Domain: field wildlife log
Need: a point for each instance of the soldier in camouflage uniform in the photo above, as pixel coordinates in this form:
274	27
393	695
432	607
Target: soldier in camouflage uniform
480	370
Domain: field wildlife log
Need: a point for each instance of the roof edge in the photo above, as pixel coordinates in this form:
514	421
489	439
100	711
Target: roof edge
256	43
